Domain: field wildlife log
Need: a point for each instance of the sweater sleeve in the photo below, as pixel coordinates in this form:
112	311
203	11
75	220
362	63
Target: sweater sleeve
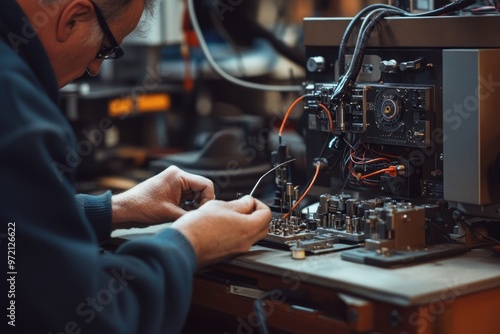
97	210
64	282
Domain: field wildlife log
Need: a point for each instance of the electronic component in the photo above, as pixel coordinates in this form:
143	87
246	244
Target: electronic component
423	111
398	131
292	233
395	234
384	114
382	120
391	232
342	216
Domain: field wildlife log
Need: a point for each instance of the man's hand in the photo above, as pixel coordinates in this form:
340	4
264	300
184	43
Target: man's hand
222	229
162	197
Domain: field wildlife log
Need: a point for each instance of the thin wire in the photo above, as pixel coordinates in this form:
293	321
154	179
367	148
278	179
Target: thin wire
222	72
364	162
318	167
380	171
349	144
288	112
346	180
269	171
487	236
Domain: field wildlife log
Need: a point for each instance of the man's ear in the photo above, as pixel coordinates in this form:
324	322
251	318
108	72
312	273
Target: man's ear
75	15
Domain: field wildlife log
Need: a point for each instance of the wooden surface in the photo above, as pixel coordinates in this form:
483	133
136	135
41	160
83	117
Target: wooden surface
417	284
409	285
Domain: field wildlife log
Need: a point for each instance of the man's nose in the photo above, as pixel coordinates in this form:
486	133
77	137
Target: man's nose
94	66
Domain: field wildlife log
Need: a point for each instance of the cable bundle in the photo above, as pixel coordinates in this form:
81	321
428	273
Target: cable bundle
374	15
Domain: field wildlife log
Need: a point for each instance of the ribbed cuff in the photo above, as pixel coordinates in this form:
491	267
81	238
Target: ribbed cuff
97	209
184	246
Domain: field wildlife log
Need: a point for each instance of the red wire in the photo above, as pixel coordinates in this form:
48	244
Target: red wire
380	171
359	161
363	161
288	113
318	167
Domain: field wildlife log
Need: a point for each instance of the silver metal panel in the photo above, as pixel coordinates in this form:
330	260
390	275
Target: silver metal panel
401	32
370	71
471	141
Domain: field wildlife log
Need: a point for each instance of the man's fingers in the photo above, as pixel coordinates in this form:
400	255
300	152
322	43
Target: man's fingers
199	189
259	206
256	210
245	205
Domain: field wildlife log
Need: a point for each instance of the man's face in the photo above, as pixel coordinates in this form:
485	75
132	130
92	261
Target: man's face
74	56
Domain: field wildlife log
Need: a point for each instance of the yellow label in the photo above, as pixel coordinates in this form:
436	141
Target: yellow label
143	103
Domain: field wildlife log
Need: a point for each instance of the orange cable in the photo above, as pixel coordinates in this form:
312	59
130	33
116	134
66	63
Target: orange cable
360	161
389	170
380	171
289	111
318	167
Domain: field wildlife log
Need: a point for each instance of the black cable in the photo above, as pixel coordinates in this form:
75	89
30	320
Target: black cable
252	28
446	234
258	307
346	82
346	180
208	55
451	7
278	295
283	49
349	30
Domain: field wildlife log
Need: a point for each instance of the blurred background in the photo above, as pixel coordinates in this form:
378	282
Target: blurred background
163	103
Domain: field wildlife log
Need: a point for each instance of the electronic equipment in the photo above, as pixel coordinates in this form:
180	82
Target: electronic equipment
416	6
433	96
403	157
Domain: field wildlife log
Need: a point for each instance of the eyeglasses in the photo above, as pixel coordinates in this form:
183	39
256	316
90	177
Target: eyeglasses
107	52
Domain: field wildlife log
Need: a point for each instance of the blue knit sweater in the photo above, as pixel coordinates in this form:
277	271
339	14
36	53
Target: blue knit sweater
61	281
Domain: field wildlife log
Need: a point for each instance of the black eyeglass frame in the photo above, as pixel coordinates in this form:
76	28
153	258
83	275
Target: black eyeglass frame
107	52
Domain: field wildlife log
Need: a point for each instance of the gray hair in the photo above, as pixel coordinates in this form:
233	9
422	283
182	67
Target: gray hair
111	9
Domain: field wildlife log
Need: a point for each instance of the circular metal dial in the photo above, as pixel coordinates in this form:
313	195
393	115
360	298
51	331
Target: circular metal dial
388	111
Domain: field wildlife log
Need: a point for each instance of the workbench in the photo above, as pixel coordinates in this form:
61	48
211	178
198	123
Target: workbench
325	294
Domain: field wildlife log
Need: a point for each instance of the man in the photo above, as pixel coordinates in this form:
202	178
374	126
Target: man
58	281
